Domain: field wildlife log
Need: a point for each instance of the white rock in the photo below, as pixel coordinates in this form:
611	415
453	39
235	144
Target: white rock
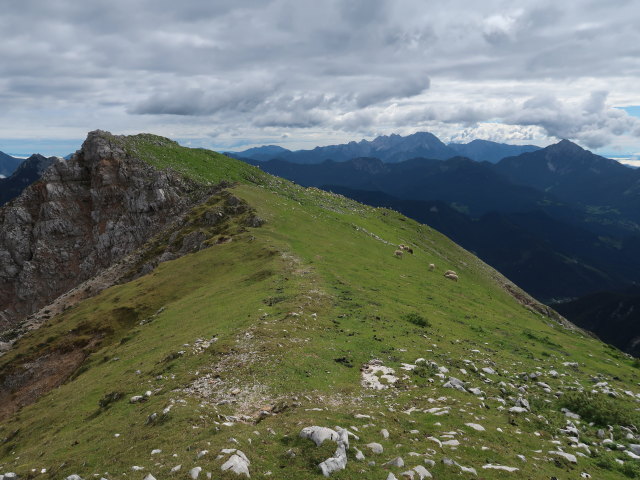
370	378
391	476
195	472
422	472
339	459
135	468
375	447
149	477
176	468
475	426
156	451
490	466
237	464
395	462
385	433
319	434
489	371
518	410
434	439
632	455
359	454
70	477
451	443
566	456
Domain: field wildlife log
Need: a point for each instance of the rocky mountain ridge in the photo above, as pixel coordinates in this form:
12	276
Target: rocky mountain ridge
81	217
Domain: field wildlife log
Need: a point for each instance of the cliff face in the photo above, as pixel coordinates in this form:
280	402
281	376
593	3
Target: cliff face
82	216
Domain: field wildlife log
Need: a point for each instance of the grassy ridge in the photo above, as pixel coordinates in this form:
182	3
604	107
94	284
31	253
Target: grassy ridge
297	307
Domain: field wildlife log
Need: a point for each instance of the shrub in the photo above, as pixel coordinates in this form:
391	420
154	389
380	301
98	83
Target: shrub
598	408
416	319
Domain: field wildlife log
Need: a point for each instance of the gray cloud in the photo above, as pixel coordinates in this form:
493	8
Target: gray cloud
313	70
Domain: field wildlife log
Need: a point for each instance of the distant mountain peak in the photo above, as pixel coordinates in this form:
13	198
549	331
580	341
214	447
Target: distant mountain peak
565	145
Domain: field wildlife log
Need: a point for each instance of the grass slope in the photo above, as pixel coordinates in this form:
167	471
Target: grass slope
296	307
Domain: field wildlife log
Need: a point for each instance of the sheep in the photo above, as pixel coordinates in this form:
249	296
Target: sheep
451	276
431	267
405	248
450	271
398	253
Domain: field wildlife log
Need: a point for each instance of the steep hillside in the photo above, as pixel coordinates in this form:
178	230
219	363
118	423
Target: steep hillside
547	257
302	324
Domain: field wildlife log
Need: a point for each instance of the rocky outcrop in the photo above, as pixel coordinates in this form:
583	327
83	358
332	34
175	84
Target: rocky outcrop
81	217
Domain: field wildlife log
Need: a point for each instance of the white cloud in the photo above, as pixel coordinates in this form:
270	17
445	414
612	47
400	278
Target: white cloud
321	71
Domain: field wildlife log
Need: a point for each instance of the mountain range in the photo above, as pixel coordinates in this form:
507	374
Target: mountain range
172	312
8	164
27	172
390	149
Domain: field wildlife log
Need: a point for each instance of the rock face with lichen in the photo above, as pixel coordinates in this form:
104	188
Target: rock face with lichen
82	216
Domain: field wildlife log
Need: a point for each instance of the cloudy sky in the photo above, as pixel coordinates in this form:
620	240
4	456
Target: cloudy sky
299	73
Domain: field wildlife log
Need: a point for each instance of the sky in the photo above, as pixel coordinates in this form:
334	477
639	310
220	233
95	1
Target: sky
229	75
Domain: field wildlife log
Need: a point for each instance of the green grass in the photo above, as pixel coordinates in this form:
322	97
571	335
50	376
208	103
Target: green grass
318	282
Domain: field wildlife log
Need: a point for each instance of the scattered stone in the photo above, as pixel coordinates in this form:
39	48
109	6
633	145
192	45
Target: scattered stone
373	372
375	448
176	469
149	477
490	466
238	463
195	472
339	459
475	426
518	410
455	383
319	434
422	472
395	462
567	456
451	443
385	433
468	470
